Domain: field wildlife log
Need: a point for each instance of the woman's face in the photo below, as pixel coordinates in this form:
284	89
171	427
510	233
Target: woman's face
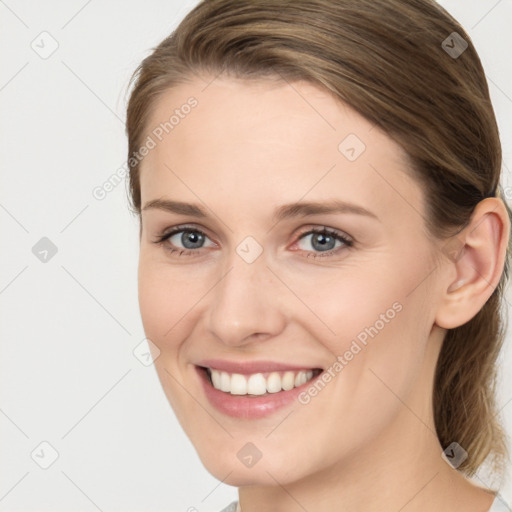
298	246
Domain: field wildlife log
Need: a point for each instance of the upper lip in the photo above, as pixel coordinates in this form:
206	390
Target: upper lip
249	367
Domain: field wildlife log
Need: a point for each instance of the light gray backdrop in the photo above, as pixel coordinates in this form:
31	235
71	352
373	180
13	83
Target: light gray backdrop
74	397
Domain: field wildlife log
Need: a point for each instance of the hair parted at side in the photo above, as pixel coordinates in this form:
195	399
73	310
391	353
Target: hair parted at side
385	59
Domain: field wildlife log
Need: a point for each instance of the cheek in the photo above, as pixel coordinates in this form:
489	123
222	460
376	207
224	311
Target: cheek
373	319
168	297
369	300
166	303
344	303
154	300
161	301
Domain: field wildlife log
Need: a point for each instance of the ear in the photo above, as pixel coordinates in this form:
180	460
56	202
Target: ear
475	258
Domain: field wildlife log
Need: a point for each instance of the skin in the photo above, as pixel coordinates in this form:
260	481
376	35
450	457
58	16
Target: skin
367	441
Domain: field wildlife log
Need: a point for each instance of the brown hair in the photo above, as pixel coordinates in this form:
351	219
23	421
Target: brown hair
390	61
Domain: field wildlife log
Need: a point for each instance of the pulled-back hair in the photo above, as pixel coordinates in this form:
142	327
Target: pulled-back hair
390	60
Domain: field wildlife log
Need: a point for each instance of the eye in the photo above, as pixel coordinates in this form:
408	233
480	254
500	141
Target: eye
323	242
184	240
317	242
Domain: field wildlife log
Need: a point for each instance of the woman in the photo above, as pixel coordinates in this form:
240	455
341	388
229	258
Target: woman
323	251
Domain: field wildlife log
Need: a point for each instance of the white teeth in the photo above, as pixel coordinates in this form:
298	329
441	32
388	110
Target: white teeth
274	383
257	384
216	378
225	382
238	384
303	377
288	381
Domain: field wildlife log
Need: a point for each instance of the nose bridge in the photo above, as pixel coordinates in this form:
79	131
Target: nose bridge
244	304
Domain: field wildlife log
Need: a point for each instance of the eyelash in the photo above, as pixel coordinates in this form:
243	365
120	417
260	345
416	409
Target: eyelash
347	242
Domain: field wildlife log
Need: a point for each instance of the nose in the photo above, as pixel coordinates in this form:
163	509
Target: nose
244	306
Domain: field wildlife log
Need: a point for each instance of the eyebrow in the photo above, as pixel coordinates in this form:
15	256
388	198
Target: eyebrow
286	211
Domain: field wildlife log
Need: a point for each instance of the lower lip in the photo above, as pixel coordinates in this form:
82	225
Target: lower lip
245	406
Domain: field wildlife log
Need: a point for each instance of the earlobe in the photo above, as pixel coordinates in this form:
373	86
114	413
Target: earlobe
478	266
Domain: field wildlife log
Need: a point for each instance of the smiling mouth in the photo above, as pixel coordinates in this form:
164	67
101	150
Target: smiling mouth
258	384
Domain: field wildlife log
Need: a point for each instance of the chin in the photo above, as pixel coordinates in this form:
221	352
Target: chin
227	468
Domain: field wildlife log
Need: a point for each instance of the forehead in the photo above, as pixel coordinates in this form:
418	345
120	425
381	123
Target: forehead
249	143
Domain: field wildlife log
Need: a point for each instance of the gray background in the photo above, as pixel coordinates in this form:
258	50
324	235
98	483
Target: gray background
70	324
